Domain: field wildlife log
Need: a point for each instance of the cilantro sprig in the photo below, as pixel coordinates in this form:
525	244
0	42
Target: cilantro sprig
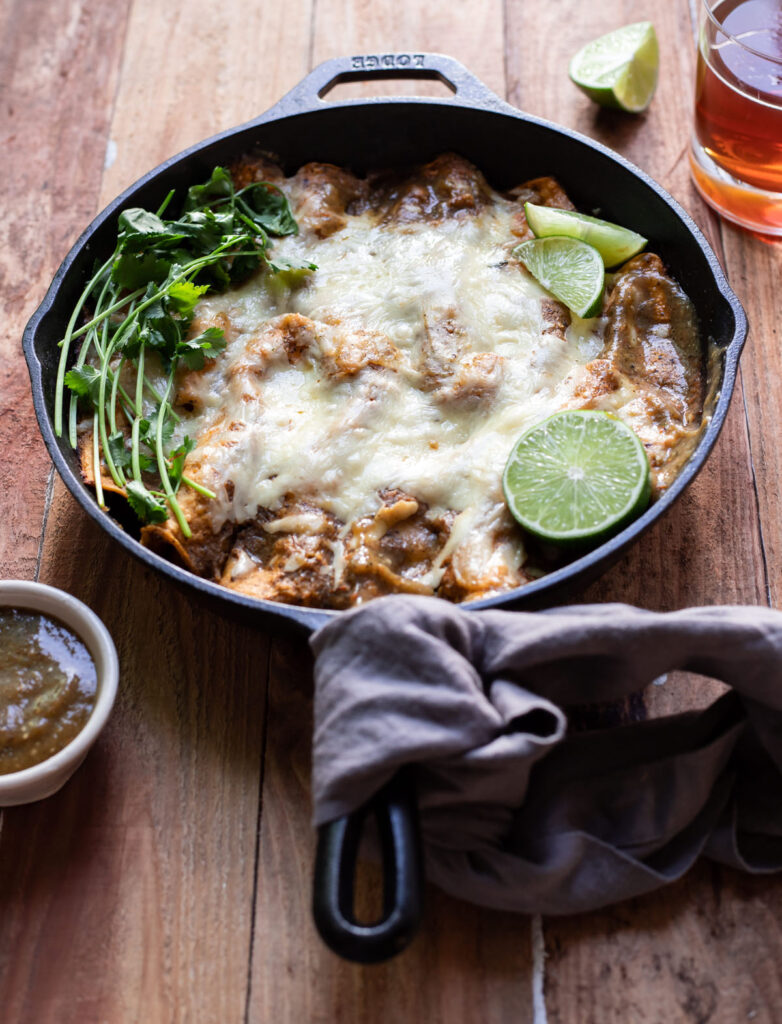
143	300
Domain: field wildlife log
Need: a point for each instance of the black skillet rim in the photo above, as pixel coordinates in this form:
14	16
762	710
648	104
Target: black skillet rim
306	98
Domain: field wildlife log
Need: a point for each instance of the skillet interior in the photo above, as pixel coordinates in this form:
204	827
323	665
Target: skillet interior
509	147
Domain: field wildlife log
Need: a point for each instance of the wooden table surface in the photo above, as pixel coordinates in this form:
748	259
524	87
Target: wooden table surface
170	879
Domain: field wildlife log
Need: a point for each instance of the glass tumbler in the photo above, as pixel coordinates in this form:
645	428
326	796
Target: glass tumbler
736	149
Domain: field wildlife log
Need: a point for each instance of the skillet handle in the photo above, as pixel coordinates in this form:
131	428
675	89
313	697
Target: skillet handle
396	813
308	94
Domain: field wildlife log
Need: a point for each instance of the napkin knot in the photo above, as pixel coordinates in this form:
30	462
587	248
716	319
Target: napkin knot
517	812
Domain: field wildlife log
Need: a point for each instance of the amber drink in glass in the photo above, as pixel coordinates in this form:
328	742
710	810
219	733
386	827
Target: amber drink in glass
736	152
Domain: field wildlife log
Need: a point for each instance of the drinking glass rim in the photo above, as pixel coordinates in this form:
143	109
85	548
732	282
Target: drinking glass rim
736	39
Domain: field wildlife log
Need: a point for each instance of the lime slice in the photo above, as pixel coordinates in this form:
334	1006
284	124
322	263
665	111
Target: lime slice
619	69
615	244
571	270
577	478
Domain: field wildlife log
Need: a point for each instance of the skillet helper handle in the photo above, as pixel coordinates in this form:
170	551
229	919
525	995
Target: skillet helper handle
396	813
310	91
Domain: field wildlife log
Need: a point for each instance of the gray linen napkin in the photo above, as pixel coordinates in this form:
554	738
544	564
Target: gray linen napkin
518	815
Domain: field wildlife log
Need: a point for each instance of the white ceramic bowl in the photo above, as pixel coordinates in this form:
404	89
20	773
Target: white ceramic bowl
41	780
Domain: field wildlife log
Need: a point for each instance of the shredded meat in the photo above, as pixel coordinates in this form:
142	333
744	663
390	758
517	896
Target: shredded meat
393	550
287	556
443	343
341	352
448	186
252	169
291	553
346	352
650	335
651	364
451	373
541	192
475	379
205	552
322	195
556	317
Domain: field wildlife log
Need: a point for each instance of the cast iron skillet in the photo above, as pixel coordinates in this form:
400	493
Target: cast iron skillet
509	147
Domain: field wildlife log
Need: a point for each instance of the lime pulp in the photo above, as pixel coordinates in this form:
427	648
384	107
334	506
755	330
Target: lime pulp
619	69
577	478
614	243
570	269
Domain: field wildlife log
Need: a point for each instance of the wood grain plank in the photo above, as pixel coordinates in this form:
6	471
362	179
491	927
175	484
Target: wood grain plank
685	954
473	34
468	964
756	269
128	897
193	70
48	189
705	952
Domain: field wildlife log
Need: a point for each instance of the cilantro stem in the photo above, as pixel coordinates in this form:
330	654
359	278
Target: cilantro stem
113	399
116	474
65	344
107	312
164	205
156	395
105	371
134	438
90	339
140	382
198	488
96	463
134	449
161	460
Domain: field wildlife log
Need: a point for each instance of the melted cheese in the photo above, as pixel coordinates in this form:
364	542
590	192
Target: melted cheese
270	427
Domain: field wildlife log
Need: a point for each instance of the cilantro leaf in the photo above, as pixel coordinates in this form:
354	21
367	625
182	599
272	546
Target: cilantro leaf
219	186
148	429
84	381
183	295
133	270
140	229
178	456
194	351
242	266
283	263
268	208
119	453
140	222
144	503
204	230
123	457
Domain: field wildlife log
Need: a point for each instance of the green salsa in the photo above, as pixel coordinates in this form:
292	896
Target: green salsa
48	687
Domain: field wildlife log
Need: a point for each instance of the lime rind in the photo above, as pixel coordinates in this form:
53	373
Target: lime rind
619	69
570	269
614	243
577	478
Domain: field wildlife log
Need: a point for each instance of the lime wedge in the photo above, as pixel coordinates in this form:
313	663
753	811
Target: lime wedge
571	270
619	69
577	477
615	244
